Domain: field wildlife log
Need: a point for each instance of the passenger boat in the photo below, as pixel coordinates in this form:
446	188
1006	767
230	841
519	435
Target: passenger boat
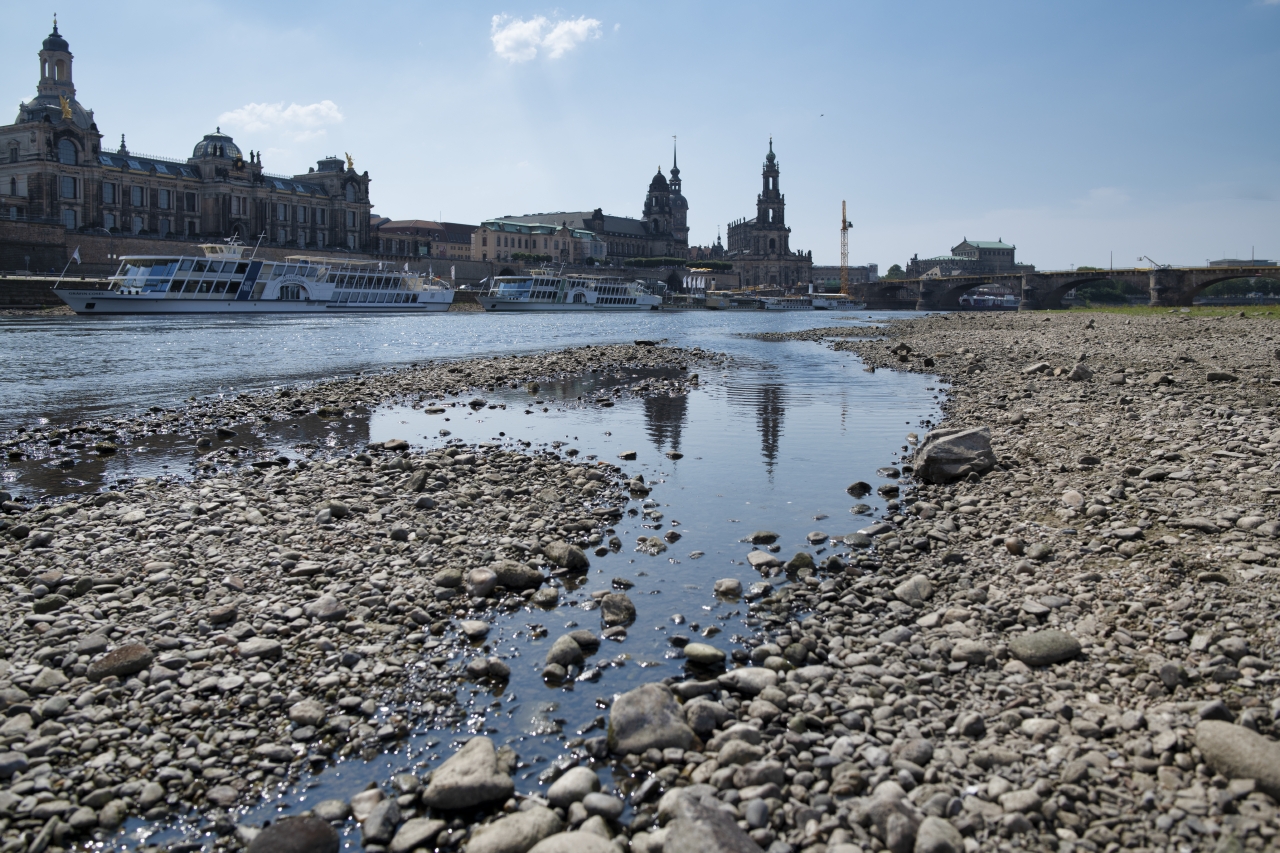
786	303
224	281
541	290
835	302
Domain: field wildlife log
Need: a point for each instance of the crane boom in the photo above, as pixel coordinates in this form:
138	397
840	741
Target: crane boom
844	249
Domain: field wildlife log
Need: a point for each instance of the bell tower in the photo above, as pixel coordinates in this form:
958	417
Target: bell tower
770	204
55	66
679	208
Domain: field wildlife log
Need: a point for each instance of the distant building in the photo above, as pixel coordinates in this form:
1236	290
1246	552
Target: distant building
1234	262
53	169
420	238
827	279
760	248
969	257
662	230
500	239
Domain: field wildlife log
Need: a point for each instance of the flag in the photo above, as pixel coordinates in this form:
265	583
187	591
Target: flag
406	266
75	256
453	273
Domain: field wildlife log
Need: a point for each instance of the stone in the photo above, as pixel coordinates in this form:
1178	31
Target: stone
475	629
483	582
728	587
575	784
607	807
566	556
12	763
647	718
126	660
565	652
949	454
515	833
259	647
763	537
762	560
1240	753
936	835
415	833
972	652
363	803
308	712
296	835
223	796
749	681
703	654
516	576
1042	648
616	609
380	826
914	591
468	778
573	842
699	827
326	608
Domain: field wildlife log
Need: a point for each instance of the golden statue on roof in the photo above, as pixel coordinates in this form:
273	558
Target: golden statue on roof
350	163
66	107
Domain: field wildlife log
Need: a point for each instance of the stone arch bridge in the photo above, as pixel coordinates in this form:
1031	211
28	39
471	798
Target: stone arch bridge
1169	287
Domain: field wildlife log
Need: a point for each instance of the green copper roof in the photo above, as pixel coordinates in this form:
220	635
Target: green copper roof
985	244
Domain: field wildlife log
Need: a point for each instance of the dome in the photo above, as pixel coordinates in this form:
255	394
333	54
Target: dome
770	156
216	144
659	183
56	41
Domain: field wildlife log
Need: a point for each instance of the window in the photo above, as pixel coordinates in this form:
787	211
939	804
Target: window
166	199
137	224
484	241
108	221
351	192
191	202
320	239
108	193
351	241
191	229
166	225
351	219
137	196
67	187
69	219
67	152
13	154
320	217
282	213
302	214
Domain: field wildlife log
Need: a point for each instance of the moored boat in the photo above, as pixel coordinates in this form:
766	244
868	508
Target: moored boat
223	281
542	290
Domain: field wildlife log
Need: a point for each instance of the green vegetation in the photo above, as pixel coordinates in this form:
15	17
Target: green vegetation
529	256
717	266
1243	287
653	262
894	272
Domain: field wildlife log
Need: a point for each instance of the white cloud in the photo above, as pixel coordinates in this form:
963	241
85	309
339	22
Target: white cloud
307	120
518	40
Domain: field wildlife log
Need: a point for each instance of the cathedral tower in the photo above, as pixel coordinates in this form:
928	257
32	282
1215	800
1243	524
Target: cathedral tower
679	209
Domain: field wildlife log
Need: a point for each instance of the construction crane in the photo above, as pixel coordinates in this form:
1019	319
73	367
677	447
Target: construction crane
844	249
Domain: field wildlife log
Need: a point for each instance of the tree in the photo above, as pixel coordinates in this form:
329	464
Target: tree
894	272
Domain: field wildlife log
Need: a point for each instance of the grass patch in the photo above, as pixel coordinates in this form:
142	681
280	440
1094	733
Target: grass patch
1194	311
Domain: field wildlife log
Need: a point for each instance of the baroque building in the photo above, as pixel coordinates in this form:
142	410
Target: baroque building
662	231
53	168
760	248
969	257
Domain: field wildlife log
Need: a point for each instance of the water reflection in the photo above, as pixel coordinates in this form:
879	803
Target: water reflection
664	419
769	411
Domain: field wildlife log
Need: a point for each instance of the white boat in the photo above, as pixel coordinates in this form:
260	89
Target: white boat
834	302
541	290
224	281
786	303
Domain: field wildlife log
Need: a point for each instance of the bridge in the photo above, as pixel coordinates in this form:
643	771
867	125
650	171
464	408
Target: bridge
1169	287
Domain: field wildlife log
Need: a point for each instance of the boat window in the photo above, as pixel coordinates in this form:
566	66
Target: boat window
204	286
242	268
201	265
220	286
185	265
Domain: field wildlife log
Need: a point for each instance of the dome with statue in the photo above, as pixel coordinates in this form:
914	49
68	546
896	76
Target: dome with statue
216	144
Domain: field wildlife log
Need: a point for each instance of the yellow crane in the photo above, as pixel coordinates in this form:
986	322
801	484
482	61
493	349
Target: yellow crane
844	249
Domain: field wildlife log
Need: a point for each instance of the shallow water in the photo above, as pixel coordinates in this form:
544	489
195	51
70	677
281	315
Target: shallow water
769	443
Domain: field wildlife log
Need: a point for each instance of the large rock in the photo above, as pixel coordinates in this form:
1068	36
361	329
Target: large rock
471	777
515	575
380	826
414	833
296	835
1240	753
565	652
936	835
566	556
575	784
749	680
1042	648
949	454
616	609
706	829
647	717
125	660
573	842
515	833
915	591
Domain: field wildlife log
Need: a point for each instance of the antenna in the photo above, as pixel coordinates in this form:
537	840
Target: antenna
844	248
257	244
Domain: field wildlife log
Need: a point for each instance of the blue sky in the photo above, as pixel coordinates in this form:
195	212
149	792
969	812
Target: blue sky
1075	130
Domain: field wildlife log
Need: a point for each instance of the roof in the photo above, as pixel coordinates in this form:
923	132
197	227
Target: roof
149	165
986	244
955	259
620	225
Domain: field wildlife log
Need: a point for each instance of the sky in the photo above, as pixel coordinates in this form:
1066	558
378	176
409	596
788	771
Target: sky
1082	132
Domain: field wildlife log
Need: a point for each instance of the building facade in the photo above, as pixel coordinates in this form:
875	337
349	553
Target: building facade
53	168
826	279
420	238
503	239
760	248
662	231
969	257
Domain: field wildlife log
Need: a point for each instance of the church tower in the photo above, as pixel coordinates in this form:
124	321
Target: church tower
770	210
679	209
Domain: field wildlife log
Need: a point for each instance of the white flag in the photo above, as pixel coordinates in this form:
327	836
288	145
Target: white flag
75	256
406	266
453	273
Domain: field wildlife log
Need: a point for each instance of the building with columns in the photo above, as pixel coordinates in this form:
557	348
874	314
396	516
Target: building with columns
760	248
54	169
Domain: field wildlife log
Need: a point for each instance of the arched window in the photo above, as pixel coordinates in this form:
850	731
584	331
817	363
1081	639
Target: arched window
351	192
59	70
772	244
67	152
13	186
